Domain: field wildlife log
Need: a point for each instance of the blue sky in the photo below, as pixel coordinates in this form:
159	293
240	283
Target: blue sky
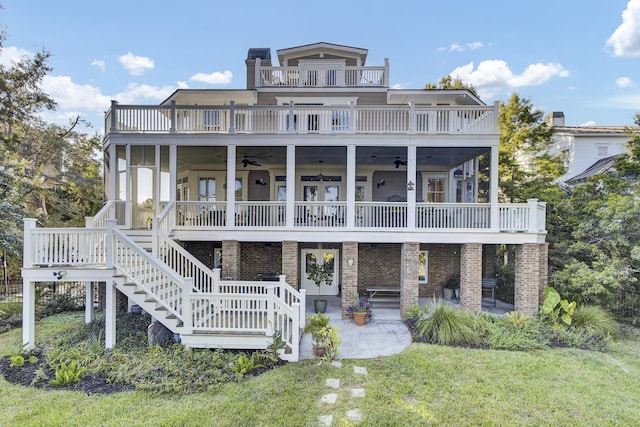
582	58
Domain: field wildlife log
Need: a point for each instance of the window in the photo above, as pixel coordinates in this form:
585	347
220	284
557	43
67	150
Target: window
207	190
435	189
603	150
423	266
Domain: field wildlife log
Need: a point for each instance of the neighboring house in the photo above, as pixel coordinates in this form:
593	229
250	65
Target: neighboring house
317	161
585	147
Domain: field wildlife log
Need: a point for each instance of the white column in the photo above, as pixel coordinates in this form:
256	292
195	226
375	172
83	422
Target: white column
351	186
88	302
28	314
291	185
493	187
156	182
173	173
231	186
113	172
28	251
110	315
411	194
128	221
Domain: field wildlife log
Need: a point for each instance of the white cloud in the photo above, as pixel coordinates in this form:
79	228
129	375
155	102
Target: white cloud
216	77
100	65
72	96
137	92
136	65
627	101
400	85
10	55
474	45
454	47
624	82
625	40
494	75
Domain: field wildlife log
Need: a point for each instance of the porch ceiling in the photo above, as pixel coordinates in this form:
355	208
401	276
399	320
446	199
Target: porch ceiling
365	156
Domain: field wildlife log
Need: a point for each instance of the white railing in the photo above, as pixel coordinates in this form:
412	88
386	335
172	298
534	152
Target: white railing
156	278
381	214
319	75
260	214
320	214
113	209
274	119
200	214
514	217
250	307
453	215
67	246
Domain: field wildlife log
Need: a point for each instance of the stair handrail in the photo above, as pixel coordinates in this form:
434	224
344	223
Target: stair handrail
152	275
98	220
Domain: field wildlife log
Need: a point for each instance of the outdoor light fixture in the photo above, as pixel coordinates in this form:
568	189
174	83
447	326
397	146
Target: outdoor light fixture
59	274
381	183
410	186
260	182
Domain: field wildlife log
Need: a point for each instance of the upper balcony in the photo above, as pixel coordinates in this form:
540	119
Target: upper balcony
302	119
327	76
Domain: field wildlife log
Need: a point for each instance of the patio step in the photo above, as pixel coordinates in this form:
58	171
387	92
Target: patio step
384	301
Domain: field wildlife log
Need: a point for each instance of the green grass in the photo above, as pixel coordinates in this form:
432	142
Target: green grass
425	385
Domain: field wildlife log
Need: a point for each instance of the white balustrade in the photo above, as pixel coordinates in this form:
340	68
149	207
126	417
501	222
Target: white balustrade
320	214
453	215
260	214
200	214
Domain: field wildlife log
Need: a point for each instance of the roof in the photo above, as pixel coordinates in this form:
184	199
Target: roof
601	166
352	51
596	130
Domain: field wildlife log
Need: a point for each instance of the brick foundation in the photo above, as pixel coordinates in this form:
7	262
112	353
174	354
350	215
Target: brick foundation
544	270
471	277
409	277
379	265
349	274
231	259
527	281
290	263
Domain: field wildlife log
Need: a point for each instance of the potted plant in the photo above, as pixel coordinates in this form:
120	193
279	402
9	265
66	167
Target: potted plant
361	310
320	274
324	337
149	221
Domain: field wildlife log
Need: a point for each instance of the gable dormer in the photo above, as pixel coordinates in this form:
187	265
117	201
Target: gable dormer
322	52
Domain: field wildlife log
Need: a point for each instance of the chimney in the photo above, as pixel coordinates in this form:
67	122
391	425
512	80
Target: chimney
262	53
555	119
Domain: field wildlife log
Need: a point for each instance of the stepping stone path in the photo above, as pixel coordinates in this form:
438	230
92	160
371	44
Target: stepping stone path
353	415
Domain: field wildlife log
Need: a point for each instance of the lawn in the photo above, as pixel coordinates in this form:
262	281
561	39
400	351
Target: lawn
425	385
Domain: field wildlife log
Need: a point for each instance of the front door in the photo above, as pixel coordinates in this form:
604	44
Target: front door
320	257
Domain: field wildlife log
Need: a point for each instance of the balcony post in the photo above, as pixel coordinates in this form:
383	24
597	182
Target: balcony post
28	253
114	113
28	313
271	308
351	186
109	252
187	318
533	215
386	72
291	186
412	187
172	125
232	119
412	117
493	189
231	186
110	314
352	117
290	121
257	81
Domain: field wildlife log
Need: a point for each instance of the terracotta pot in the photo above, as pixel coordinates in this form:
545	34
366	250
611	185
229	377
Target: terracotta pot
360	318
319	351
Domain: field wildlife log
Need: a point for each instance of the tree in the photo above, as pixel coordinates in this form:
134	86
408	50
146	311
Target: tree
447	82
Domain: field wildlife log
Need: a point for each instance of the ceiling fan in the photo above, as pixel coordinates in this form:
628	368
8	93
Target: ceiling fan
399	162
246	162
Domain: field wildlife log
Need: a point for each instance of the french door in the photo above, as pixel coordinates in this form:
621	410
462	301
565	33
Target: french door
311	257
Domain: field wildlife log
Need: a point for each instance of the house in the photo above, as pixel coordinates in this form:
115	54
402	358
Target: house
318	161
585	149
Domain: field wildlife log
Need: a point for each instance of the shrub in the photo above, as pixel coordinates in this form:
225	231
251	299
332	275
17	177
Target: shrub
574	337
518	320
595	320
60	303
244	365
440	323
67	374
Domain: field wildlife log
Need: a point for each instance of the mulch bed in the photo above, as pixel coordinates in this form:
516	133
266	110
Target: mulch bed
24	375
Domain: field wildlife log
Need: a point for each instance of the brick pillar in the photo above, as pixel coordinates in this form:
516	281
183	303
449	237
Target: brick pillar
409	290
471	276
231	259
527	281
544	270
290	262
349	274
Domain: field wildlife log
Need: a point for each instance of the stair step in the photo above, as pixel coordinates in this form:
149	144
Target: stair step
151	300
